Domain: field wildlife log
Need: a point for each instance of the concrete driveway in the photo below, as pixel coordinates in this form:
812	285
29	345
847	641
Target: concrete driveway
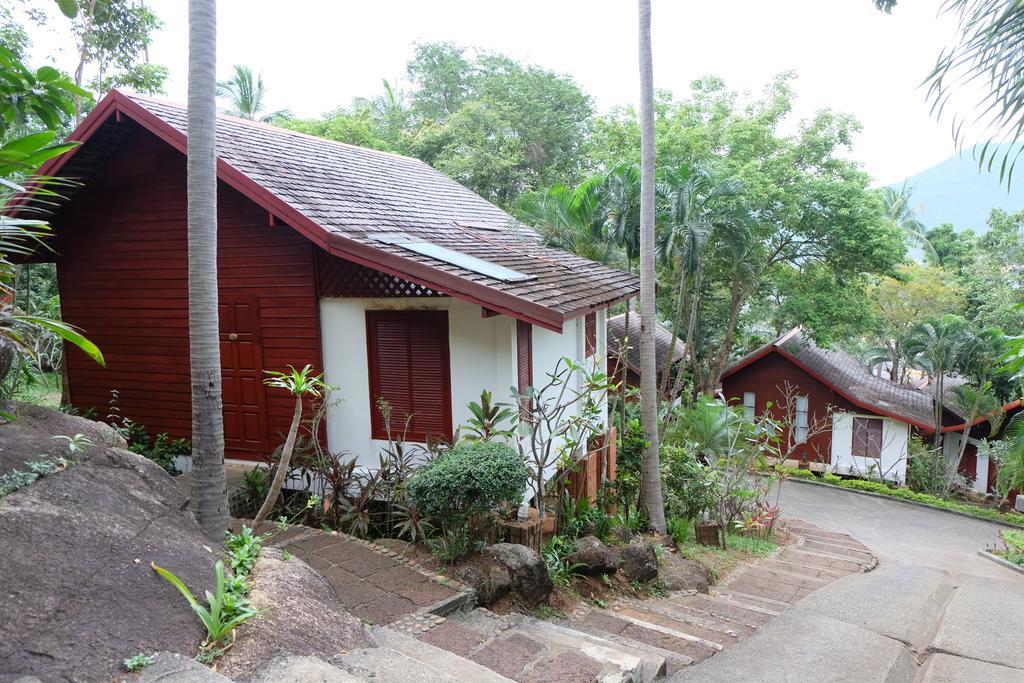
932	611
896	531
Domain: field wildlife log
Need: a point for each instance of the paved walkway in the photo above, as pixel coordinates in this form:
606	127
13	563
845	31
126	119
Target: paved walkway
652	637
375	584
931	611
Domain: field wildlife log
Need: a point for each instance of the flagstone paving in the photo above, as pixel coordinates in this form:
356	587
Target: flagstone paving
375	584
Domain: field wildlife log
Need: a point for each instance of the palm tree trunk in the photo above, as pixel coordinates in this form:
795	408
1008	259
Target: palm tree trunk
650	468
666	368
209	495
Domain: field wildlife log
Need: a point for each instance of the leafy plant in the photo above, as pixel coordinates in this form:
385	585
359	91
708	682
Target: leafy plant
16	479
555	552
218	617
579	518
487	419
243	549
79	443
680	529
138	662
465	486
689	485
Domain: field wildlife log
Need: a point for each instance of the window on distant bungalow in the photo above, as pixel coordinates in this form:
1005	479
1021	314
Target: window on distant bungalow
590	334
749	403
867	437
409	369
800	433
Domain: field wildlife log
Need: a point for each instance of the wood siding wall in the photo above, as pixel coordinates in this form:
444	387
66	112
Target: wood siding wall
767	378
122	271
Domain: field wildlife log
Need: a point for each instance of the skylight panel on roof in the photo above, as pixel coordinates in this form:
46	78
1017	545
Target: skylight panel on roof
453	257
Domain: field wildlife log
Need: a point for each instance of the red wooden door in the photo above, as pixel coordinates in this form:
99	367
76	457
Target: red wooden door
241	358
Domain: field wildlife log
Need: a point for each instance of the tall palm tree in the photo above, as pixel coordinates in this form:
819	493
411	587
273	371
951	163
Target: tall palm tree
209	487
650	467
936	346
897	208
572	219
245	92
695	206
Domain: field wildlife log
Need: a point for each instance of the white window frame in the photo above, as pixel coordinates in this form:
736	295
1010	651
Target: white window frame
749	405
802	405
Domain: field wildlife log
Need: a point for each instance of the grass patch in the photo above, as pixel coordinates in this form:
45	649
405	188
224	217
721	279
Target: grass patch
720	562
1011	518
43	390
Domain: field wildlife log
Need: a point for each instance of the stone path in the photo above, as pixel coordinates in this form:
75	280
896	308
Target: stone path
375	584
648	639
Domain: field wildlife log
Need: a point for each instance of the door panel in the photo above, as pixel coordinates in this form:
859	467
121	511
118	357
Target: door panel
245	403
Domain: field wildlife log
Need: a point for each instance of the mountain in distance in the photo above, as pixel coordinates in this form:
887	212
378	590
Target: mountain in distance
956	191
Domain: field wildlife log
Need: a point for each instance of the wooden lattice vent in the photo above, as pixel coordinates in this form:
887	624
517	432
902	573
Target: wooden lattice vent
345	279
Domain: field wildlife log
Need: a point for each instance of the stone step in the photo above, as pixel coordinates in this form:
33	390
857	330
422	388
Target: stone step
781	575
719	608
725	637
861	556
674	661
524	649
756	603
703	618
404	658
820	560
693	647
302	670
633	665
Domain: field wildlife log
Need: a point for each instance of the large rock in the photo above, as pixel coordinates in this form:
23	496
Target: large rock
485	575
638	562
530	580
78	595
302	617
595	556
680	574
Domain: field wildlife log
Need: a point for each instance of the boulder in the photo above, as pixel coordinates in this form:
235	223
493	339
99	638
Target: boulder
78	593
595	556
530	581
171	666
680	574
638	562
622	533
487	577
302	617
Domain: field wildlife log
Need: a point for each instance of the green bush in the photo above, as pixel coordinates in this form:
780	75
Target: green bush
470	481
689	486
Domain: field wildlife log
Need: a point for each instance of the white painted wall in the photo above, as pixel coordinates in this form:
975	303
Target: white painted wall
893	461
482	353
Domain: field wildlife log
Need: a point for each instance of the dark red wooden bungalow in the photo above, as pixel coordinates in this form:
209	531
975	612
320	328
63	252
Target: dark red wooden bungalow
394	279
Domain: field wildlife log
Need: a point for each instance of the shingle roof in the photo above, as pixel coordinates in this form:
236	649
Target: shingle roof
848	377
662	341
357	196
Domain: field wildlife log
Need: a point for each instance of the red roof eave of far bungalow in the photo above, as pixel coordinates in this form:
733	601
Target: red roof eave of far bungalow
960	427
118	104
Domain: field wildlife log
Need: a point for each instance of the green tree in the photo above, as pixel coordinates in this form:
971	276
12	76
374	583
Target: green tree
897	207
954	249
245	91
696	208
112	38
650	468
209	485
936	346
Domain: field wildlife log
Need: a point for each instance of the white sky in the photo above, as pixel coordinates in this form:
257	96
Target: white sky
316	55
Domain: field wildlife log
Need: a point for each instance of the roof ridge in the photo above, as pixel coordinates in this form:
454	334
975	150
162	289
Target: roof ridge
270	128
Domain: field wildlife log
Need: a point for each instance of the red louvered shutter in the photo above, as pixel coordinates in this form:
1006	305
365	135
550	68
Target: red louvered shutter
409	368
524	353
867	437
590	334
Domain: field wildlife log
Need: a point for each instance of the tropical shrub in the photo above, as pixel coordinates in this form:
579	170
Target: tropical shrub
689	486
580	518
460	489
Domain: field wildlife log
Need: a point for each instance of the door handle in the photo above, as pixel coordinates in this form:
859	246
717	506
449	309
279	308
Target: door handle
233	336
